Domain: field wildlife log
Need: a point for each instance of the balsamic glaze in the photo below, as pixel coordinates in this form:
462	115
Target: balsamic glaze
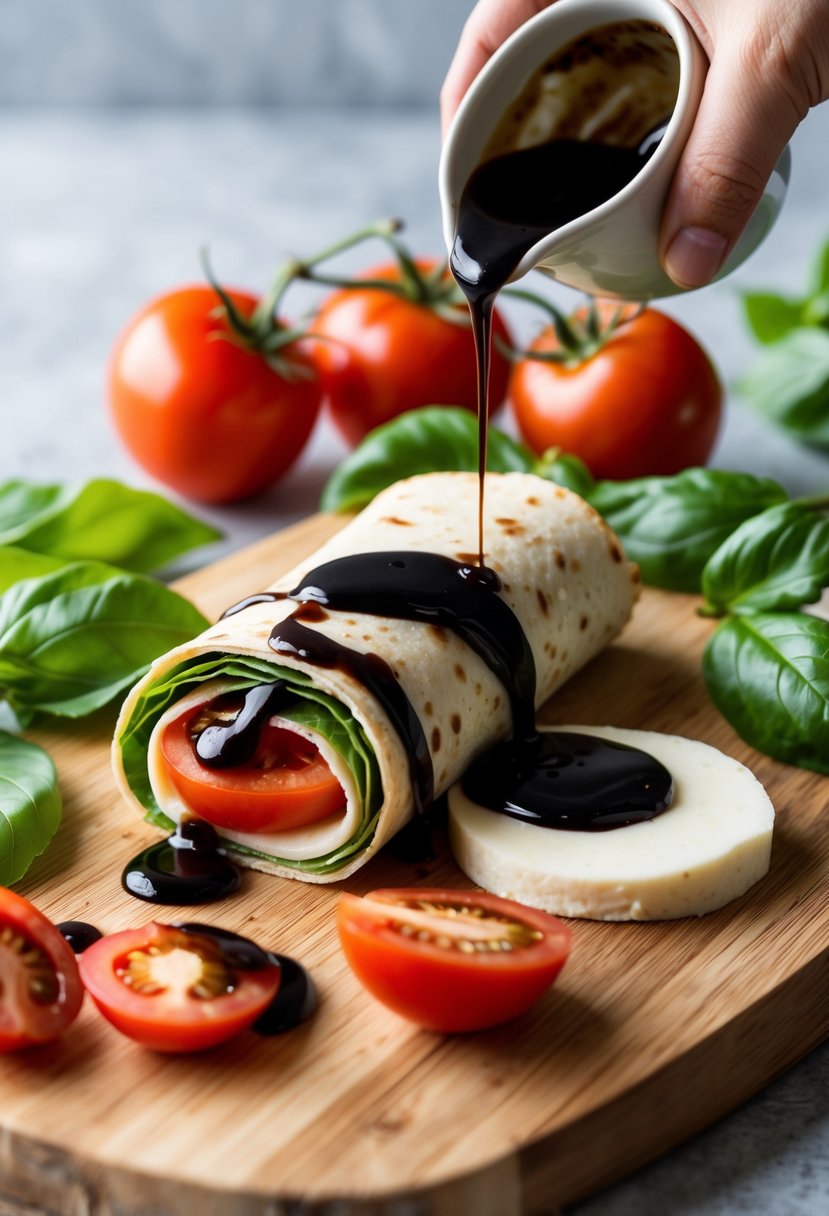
79	934
296	999
225	744
564	779
189	867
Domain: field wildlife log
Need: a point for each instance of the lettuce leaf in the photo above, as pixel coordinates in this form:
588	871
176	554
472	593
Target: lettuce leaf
313	708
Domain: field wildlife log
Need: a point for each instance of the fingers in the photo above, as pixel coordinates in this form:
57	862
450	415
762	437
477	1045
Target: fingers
490	23
745	120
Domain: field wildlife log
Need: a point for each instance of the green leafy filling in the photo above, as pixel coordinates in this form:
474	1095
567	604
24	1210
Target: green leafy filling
312	708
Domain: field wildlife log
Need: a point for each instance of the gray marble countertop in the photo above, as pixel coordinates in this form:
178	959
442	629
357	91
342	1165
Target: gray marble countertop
102	209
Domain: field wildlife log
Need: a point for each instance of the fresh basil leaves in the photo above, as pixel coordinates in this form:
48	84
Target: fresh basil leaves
79	622
30	805
431	439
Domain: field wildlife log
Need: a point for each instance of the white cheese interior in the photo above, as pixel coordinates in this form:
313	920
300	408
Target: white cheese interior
299	844
709	847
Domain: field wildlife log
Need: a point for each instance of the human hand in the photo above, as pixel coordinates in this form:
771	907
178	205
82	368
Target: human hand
769	64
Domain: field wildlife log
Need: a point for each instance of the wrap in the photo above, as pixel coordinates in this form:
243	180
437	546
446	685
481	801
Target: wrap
563	574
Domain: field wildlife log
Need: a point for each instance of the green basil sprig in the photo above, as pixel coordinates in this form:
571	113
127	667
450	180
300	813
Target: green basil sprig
790	382
101	520
30	805
71	640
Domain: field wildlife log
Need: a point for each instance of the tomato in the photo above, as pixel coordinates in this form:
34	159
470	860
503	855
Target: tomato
383	355
286	783
439	958
201	411
173	990
648	401
40	986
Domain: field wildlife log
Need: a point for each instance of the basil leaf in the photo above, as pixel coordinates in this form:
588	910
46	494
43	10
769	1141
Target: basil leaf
790	385
774	562
672	525
30	805
566	470
768	674
74	639
771	317
102	520
17	564
430	439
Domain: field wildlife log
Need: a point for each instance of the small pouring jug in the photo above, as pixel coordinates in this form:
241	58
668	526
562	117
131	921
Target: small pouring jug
612	250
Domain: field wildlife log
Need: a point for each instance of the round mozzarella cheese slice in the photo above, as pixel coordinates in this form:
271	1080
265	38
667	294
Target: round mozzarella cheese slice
709	847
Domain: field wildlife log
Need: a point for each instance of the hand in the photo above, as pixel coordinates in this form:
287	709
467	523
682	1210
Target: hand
769	65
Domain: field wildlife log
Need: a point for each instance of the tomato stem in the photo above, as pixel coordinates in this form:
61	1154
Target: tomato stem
578	338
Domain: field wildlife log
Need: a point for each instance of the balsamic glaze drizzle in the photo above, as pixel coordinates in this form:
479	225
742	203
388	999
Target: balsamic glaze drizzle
189	867
226	744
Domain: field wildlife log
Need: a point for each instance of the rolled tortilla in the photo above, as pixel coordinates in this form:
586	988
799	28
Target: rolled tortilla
563	574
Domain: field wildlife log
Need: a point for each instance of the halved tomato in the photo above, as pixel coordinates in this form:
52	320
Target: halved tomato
175	990
40	987
285	784
451	960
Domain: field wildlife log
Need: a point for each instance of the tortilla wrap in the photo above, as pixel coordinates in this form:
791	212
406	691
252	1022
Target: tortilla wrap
563	574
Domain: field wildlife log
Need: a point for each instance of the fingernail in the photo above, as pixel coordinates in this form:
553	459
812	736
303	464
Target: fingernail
694	256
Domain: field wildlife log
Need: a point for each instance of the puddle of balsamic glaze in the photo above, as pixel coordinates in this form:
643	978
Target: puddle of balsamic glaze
79	934
296	1000
566	779
189	867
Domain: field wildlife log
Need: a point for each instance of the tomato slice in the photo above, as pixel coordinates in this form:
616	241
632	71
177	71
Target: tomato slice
175	991
40	986
451	960
286	783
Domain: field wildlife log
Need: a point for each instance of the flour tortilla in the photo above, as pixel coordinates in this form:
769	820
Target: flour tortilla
563	574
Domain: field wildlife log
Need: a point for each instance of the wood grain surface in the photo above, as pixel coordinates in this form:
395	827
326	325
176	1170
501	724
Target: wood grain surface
652	1032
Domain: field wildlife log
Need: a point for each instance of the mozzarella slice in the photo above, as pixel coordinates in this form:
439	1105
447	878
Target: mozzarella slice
708	848
300	844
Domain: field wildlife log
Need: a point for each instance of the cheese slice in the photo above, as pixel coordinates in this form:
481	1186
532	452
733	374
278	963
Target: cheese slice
709	847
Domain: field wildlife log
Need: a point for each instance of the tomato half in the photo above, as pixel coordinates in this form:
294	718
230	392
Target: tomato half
384	355
648	401
174	991
40	986
451	960
286	783
199	410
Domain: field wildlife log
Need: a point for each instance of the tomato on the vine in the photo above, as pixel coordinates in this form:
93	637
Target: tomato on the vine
40	987
174	990
631	393
386	350
284	784
451	960
211	396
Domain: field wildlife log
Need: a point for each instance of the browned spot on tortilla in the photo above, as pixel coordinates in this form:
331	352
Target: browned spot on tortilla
556	673
506	587
401	662
438	632
515	530
559	559
565	655
460	673
542	601
505	520
583	623
615	552
496	702
532	501
392	519
455	723
560	493
477	690
366	637
553	650
435	739
575	564
382	629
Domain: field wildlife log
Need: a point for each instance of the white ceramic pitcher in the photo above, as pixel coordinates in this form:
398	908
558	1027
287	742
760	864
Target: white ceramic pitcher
613	249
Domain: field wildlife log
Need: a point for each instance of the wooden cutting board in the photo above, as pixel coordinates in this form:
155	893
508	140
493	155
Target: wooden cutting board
651	1033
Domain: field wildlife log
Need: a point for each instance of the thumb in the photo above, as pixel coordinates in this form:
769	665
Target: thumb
745	120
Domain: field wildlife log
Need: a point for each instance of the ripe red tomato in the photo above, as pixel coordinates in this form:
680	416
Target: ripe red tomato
286	784
198	409
40	986
438	958
172	990
384	355
648	401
